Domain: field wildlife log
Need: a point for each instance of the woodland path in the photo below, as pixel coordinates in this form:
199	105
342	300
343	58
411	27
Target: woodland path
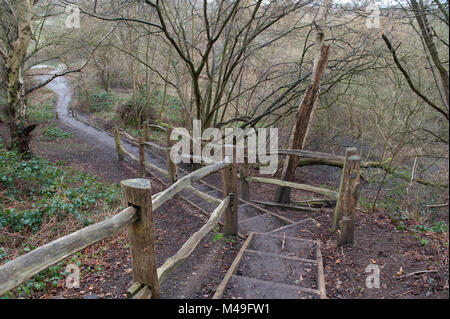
276	261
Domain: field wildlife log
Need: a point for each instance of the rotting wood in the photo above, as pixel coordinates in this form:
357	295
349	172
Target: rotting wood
118	146
338	213
349	202
233	269
141	233
26	266
189	246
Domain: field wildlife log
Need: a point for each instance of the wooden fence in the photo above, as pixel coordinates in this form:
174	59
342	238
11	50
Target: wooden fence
138	216
138	219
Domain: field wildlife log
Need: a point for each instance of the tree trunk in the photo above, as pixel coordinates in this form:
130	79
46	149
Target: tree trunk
303	118
305	110
20	131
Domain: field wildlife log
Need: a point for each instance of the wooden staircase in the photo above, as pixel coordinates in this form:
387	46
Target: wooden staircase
275	265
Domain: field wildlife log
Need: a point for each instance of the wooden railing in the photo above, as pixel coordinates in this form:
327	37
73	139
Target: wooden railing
138	218
345	199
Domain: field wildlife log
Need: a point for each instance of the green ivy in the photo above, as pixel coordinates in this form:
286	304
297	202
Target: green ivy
49	191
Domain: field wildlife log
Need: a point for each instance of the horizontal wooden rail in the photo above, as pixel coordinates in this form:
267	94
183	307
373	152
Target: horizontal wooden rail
157	146
189	246
158	127
187	181
309	154
325	192
26	266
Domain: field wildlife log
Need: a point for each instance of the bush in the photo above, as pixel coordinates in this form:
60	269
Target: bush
42	190
52	133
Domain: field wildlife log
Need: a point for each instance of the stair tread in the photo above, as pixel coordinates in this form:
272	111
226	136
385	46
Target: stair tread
261	223
284	246
298	229
279	269
241	287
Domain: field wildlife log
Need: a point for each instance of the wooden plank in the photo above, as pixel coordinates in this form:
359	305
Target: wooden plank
290	206
187	181
262	253
233	269
141	233
320	272
276	285
189	246
134	289
144	293
26	266
309	188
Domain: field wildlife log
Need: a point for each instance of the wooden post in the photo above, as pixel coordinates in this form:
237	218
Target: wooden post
230	182
118	146
146	132
56	116
137	192
244	185
350	184
141	157
171	166
338	212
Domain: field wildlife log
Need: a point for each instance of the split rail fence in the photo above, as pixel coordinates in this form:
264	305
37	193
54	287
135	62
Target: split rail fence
140	203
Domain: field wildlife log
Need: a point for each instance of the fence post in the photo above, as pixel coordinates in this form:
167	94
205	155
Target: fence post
171	166
229	180
350	183
146	132
118	146
244	185
141	157
137	192
338	212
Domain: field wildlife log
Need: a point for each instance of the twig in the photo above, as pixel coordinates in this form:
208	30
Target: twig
284	241
416	273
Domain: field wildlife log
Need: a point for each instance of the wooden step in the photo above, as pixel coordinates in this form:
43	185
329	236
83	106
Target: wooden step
284	245
279	269
261	224
246	212
302	229
250	288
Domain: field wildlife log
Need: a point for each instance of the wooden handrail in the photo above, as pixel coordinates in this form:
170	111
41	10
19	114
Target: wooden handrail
189	246
308	188
187	181
26	266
